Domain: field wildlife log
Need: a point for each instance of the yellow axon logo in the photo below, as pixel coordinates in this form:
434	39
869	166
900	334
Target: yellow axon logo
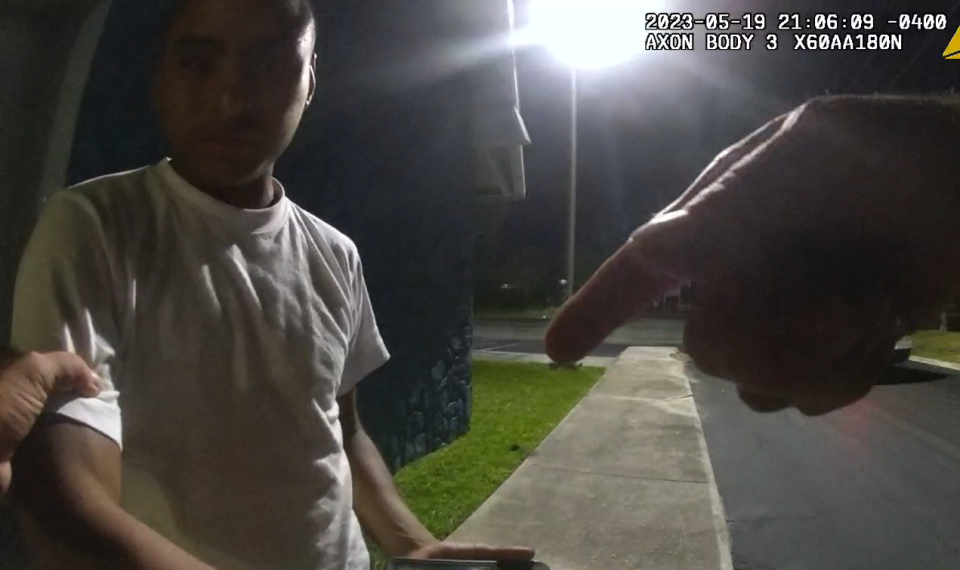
953	48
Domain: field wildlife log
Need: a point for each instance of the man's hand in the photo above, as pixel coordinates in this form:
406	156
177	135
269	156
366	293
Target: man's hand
813	244
384	514
25	383
455	551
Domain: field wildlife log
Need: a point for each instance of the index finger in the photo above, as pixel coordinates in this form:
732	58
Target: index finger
65	371
620	288
637	274
483	552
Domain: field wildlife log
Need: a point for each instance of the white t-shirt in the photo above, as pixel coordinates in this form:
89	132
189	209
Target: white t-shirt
225	336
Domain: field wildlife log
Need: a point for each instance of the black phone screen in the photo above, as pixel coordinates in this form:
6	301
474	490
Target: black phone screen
407	564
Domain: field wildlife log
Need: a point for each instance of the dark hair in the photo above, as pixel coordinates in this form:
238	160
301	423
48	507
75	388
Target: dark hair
168	11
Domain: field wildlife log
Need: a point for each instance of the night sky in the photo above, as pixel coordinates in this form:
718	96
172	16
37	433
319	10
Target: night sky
647	127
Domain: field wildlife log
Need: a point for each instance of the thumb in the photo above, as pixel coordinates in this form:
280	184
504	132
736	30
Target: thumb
457	551
66	372
652	262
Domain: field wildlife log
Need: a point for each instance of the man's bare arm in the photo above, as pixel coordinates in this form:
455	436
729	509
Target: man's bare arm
25	382
66	490
376	500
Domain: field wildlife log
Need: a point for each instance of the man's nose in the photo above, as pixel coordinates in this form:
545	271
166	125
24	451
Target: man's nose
234	95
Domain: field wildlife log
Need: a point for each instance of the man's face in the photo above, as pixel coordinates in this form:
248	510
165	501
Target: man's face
233	81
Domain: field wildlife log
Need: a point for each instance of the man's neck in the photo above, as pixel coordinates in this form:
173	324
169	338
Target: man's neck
255	195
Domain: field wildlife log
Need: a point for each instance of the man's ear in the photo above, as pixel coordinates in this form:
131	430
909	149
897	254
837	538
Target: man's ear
312	91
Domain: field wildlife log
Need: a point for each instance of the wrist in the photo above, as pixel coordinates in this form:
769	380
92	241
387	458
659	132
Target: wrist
420	540
407	543
419	547
427	540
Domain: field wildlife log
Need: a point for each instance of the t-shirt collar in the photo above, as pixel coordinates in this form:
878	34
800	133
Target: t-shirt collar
234	219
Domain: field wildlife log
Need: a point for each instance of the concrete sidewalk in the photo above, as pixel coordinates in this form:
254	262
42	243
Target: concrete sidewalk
623	483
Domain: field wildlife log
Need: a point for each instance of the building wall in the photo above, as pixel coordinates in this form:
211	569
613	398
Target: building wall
42	63
387	158
34	54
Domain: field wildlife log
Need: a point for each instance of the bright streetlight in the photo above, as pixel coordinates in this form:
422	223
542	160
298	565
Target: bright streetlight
590	34
587	34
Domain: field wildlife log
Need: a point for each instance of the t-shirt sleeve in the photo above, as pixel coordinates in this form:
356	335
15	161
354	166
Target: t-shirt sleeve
366	352
64	301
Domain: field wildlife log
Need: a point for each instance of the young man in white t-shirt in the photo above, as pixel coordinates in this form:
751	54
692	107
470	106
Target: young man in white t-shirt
230	326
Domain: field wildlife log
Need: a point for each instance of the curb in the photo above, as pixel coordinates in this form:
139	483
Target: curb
932	365
719	512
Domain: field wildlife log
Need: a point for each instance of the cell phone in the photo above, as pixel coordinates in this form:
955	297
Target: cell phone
410	564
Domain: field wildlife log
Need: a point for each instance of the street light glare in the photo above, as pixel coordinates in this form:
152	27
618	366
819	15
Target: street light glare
590	33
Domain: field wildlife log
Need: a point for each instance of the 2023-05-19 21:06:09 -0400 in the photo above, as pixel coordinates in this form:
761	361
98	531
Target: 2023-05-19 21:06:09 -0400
794	22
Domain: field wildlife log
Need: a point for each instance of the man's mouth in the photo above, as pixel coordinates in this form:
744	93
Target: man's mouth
227	143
